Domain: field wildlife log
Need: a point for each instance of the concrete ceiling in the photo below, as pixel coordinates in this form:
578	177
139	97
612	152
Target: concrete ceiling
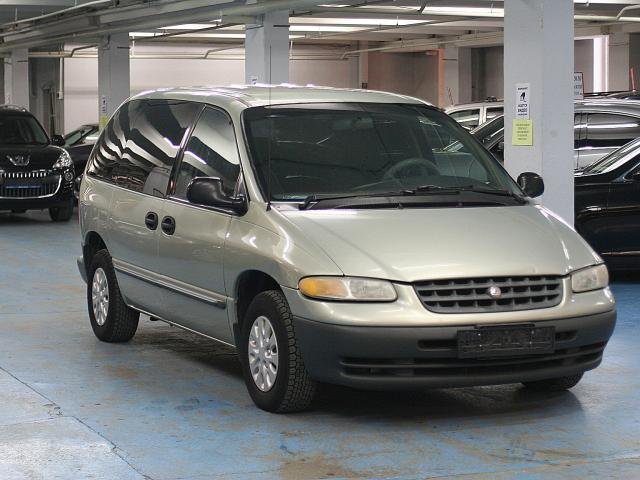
409	24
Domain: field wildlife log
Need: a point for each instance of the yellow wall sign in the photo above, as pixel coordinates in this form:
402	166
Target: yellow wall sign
522	133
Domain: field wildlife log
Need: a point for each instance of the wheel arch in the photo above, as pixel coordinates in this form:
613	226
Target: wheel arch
93	243
247	286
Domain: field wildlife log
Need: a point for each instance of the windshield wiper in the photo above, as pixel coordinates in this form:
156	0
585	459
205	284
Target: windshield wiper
432	188
493	191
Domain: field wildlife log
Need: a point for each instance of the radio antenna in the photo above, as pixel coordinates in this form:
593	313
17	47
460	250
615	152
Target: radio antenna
269	140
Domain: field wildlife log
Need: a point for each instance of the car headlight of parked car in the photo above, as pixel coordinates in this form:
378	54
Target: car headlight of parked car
64	161
591	278
350	289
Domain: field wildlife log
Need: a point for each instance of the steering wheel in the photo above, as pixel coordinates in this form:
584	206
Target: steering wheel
425	165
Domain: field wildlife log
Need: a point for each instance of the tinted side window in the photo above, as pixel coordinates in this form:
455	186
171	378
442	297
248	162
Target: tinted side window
111	145
153	144
210	152
493	112
467	118
611	130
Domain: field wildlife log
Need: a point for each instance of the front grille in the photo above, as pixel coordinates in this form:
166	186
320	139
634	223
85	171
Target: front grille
471	295
29	184
445	366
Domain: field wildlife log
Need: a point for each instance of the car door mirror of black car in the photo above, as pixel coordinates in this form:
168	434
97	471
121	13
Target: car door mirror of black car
634	176
531	184
500	147
57	140
208	191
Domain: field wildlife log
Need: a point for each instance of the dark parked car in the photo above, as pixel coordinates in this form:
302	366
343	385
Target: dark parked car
35	173
600	127
607	206
79	144
628	95
84	134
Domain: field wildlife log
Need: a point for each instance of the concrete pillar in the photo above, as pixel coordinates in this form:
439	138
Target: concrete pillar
113	74
619	61
267	49
455	84
16	78
363	66
538	51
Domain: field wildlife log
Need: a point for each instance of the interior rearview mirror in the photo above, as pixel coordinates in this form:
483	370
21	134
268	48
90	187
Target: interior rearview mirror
208	191
57	140
531	184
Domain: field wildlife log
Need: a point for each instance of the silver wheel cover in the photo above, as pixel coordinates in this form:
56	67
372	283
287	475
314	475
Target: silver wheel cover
100	296
263	354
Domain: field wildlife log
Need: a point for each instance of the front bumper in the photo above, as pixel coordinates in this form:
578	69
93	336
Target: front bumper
410	357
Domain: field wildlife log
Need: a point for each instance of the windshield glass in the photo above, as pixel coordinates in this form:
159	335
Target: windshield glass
78	135
615	159
488	131
348	148
21	130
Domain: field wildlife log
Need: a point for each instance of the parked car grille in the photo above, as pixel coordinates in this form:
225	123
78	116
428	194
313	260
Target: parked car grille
29	184
446	366
471	295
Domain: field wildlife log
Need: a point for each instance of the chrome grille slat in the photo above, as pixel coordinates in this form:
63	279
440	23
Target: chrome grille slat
46	183
469	295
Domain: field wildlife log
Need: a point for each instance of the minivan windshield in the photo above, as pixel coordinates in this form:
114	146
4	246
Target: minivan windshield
21	130
322	149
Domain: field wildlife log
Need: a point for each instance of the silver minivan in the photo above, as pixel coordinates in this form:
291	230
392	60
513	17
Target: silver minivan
330	236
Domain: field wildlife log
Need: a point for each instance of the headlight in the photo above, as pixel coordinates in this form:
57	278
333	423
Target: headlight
352	289
64	161
590	278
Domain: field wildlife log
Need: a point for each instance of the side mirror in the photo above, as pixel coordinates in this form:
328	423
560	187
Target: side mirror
531	184
635	176
57	140
500	147
208	191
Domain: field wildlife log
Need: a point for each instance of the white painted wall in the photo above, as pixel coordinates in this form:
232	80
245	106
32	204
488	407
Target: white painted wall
81	75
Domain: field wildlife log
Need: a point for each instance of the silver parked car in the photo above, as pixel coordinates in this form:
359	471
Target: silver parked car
471	115
330	237
600	127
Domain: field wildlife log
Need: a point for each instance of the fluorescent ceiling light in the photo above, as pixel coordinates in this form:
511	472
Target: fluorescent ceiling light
190	26
470	11
199	35
322	28
353	21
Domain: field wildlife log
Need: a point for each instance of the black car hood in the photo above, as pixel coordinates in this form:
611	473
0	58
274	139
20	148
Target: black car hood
40	156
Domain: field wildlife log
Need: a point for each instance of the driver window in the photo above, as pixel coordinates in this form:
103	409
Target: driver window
210	152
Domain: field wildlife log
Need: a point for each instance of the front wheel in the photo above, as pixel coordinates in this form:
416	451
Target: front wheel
111	319
554	384
272	363
62	213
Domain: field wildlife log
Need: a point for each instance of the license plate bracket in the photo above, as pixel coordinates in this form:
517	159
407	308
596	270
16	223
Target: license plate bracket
505	341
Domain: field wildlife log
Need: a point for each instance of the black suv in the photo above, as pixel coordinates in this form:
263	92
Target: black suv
35	173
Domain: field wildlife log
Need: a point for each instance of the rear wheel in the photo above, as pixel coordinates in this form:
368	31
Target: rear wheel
272	364
111	319
554	384
62	213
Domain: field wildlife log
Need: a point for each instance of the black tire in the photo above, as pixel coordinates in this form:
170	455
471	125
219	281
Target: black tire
63	213
293	389
121	321
554	384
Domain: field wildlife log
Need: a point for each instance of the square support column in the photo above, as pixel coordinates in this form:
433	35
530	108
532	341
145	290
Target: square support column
113	75
619	61
267	49
16	78
538	50
455	79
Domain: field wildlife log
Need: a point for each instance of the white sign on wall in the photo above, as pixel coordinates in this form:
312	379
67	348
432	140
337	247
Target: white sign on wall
523	92
578	86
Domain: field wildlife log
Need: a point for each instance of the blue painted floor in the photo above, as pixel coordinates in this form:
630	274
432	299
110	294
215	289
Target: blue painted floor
170	405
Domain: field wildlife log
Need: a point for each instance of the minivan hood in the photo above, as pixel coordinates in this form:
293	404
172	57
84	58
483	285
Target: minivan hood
407	245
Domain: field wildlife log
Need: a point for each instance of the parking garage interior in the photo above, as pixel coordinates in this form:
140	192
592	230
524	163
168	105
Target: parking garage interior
171	404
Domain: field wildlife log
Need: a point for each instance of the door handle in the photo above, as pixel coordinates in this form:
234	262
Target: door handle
168	225
151	220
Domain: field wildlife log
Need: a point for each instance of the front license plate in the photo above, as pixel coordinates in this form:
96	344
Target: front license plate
501	341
